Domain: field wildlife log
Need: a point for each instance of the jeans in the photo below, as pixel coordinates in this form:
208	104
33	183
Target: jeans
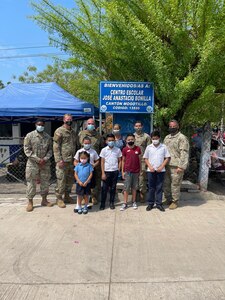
110	182
155	184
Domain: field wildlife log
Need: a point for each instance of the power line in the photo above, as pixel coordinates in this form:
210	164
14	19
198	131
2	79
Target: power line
33	55
28	47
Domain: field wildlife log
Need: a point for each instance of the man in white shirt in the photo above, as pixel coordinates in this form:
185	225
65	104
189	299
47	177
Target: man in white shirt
156	157
110	166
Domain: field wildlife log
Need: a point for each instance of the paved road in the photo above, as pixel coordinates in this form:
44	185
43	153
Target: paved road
53	253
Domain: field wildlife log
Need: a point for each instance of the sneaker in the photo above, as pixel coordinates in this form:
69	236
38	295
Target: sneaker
85	210
135	205
160	207
112	206
123	207
149	207
79	211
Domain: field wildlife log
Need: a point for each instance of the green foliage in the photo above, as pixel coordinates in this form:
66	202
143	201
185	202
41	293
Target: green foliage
1	84
177	44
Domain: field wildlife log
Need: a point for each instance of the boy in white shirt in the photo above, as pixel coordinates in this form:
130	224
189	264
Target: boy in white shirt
156	157
110	166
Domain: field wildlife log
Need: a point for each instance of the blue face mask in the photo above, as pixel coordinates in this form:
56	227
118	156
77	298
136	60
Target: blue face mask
111	144
40	128
91	127
87	146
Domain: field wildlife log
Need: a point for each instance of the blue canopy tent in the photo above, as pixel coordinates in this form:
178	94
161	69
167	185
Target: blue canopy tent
23	101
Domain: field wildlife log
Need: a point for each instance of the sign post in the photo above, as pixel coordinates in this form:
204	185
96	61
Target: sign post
126	98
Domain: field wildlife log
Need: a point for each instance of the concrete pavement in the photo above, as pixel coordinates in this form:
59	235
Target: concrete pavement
53	253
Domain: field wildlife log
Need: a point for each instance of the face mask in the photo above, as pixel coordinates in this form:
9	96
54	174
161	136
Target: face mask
69	123
130	143
173	130
91	127
137	129
87	146
83	160
111	144
40	128
155	142
116	131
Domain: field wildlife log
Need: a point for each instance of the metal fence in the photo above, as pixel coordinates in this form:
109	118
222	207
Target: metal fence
13	163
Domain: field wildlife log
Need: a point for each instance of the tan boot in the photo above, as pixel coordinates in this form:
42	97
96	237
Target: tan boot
142	197
45	202
94	200
68	199
30	205
61	203
173	205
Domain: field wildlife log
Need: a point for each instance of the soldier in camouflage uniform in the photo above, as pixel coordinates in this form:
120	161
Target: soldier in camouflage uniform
38	149
178	147
64	148
142	140
97	143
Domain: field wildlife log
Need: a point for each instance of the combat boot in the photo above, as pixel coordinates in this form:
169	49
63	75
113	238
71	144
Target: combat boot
94	200
45	202
173	205
61	203
68	199
142	197
30	205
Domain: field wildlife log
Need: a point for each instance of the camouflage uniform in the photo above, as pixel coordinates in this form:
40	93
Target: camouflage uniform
64	148
37	146
97	143
142	140
178	147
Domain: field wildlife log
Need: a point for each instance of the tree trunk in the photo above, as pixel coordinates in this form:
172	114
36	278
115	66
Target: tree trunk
205	159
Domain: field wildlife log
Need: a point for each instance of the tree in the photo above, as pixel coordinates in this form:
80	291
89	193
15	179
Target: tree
69	78
1	84
177	44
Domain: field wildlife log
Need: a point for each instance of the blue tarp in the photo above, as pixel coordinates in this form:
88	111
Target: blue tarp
41	99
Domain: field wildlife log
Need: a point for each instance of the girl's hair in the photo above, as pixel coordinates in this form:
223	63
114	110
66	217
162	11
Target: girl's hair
118	125
86	154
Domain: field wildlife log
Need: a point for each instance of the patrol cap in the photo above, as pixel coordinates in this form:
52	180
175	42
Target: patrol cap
40	120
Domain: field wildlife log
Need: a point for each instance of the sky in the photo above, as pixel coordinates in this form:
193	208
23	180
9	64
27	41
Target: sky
18	31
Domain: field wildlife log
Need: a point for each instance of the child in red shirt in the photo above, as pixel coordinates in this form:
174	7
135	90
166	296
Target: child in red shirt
130	170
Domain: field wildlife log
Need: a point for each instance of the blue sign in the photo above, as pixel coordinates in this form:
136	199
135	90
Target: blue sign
126	97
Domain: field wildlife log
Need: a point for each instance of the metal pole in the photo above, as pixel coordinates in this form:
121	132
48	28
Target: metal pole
151	123
100	123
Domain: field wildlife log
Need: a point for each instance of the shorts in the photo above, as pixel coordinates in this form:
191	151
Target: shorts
131	181
81	190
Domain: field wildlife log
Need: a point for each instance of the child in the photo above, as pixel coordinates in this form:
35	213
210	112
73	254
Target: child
83	174
156	157
110	165
130	170
94	158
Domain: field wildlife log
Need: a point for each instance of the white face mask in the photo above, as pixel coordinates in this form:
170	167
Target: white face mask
83	160
155	142
40	128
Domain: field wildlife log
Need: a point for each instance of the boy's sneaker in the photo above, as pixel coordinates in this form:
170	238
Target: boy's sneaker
85	210
135	205
123	207
79	211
